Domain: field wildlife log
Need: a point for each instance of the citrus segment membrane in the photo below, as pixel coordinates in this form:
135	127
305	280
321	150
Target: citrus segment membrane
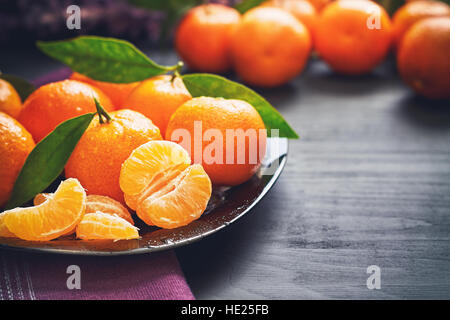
151	161
180	202
54	217
171	192
4	231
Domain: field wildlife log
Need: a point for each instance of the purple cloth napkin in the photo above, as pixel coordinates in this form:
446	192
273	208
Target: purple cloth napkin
45	276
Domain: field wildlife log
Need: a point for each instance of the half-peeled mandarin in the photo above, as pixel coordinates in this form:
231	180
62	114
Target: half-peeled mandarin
161	185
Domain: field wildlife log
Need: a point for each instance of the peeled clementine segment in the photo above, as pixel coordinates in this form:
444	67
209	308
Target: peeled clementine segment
54	217
100	225
4	231
152	162
94	203
178	203
171	193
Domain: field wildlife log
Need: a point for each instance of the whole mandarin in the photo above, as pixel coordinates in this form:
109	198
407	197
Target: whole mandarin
353	36
228	137
116	92
57	102
98	156
16	144
423	57
413	12
203	37
157	98
270	47
301	9
10	102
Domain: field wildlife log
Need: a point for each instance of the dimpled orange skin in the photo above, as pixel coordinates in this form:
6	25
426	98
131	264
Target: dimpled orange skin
203	37
423	57
117	92
412	12
220	114
157	98
301	9
57	102
98	156
270	47
16	144
10	102
344	40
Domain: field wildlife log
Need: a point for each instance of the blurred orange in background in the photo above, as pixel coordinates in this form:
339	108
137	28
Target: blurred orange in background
203	36
413	12
301	9
270	47
423	57
353	36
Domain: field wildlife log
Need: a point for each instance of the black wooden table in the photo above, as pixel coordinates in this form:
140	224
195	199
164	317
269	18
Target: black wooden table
367	184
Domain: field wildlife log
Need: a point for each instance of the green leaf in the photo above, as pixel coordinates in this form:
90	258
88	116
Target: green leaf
104	59
22	86
246	5
47	160
203	84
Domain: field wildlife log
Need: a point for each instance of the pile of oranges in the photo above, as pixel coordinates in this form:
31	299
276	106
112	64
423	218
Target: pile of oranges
270	44
122	162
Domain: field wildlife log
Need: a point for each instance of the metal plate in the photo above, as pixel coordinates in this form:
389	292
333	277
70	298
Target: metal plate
225	207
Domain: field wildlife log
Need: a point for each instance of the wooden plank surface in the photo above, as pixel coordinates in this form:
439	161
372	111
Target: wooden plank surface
367	184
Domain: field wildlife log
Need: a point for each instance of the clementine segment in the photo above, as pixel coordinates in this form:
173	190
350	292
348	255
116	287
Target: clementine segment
10	102
230	149
269	47
94	203
423	57
16	144
353	36
52	218
98	156
117	92
412	12
157	98
4	231
203	37
100	225
56	102
169	192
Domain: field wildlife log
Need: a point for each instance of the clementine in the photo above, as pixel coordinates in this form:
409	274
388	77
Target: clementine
16	144
10	102
59	101
270	47
117	92
353	36
202	38
227	137
413	12
157	98
423	57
